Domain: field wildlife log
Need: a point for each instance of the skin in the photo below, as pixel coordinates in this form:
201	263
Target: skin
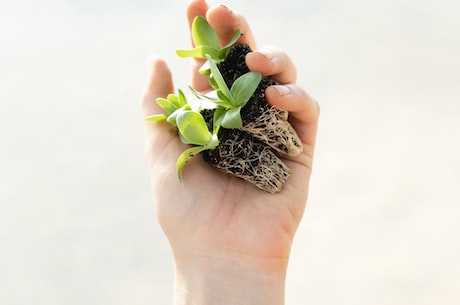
231	241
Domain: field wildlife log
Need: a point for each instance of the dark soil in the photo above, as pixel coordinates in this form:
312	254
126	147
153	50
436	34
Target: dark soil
264	122
233	67
250	153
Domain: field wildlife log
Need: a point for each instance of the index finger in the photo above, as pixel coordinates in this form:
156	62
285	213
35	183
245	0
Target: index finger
225	22
274	62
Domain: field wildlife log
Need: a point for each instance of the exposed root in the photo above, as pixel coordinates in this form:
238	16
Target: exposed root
242	156
272	128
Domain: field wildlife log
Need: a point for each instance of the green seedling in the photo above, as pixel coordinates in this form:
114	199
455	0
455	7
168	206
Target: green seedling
206	42
193	130
172	105
229	102
191	125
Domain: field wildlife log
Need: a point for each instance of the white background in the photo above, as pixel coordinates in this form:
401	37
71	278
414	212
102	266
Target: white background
77	224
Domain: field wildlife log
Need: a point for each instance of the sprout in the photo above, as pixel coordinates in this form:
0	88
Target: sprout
193	130
173	105
229	102
206	43
191	126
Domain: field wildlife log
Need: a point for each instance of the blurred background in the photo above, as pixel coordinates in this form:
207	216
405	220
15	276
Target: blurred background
77	225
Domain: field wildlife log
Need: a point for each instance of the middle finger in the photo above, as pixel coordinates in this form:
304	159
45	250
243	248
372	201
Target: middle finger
271	61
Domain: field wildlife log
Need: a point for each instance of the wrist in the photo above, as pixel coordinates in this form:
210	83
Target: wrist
248	281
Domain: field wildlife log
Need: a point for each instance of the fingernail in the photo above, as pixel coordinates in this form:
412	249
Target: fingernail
282	90
227	8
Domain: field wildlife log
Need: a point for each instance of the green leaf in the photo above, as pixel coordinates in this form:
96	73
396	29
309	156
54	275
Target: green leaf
206	41
223	52
202	96
215	132
156	118
212	81
182	99
224	104
232	118
234	39
198	52
173	116
174	99
218	116
220	100
187	155
205	69
219	79
167	105
203	34
193	128
195	52
221	95
243	88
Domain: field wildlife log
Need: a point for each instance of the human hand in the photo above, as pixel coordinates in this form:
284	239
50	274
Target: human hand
227	235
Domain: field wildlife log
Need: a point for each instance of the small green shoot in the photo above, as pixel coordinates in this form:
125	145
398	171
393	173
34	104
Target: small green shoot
206	42
230	101
173	105
193	130
191	125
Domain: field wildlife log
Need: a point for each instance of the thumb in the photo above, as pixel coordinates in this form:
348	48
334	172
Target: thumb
159	84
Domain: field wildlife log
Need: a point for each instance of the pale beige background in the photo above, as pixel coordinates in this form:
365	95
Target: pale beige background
382	225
